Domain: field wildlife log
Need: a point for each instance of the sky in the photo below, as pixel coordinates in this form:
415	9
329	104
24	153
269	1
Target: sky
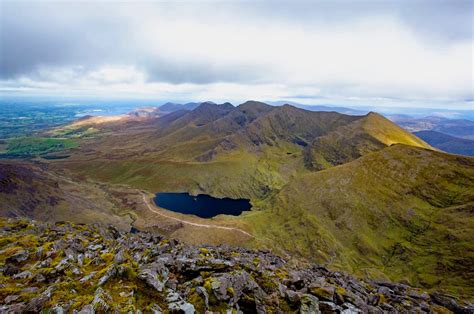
388	53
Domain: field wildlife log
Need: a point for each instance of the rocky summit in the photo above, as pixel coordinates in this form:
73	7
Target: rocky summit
77	268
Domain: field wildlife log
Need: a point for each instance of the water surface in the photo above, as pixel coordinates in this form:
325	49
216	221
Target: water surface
202	205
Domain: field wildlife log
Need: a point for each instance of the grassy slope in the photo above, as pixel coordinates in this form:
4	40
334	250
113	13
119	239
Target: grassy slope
27	190
371	133
403	212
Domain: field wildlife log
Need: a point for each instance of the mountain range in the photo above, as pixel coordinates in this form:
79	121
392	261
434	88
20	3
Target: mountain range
354	193
447	143
460	128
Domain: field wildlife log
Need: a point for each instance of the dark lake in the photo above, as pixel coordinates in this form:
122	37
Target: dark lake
204	206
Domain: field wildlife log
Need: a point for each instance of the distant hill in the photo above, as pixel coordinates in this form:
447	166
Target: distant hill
371	133
447	143
455	127
170	107
344	110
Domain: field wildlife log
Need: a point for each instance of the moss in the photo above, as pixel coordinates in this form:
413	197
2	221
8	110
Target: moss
256	261
340	290
107	257
10	251
382	299
4	240
197	300
208	284
129	273
281	273
80	301
323	293
204	250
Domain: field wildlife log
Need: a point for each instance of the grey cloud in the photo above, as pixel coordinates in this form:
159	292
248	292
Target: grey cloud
53	34
201	73
35	35
445	20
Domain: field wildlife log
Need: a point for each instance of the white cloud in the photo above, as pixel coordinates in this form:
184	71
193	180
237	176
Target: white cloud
195	52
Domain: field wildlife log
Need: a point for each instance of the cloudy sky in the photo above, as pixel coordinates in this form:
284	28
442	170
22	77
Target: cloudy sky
341	52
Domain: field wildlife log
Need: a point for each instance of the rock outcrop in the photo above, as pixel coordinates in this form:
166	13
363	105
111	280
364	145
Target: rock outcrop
67	268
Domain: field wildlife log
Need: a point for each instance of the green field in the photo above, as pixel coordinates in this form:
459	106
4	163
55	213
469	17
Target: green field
36	146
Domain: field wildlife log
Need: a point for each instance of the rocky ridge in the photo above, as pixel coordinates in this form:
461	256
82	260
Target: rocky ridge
74	268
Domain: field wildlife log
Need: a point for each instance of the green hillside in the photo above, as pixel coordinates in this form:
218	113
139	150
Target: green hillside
357	193
368	134
404	213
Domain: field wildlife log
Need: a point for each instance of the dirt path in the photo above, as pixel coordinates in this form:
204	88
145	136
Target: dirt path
146	200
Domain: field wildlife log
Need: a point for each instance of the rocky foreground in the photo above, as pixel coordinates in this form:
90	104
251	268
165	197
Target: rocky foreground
71	268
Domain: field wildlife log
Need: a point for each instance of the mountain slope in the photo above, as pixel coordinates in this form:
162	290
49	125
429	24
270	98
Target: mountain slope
402	212
447	143
246	151
374	207
28	190
368	134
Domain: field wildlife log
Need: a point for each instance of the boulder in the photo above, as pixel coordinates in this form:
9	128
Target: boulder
109	273
154	275
309	304
18	257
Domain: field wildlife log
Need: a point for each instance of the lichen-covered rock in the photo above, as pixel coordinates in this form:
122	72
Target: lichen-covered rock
110	272
309	304
101	299
89	269
155	275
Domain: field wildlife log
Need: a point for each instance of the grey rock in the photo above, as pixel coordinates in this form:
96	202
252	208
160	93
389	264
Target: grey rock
205	296
156	309
70	254
37	304
329	307
119	258
448	302
181	307
58	309
109	273
87	309
100	302
23	275
292	296
309	304
350	309
19	257
63	264
172	297
80	260
11	298
155	275
88	277
14	308
40	278
10	270
95	247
